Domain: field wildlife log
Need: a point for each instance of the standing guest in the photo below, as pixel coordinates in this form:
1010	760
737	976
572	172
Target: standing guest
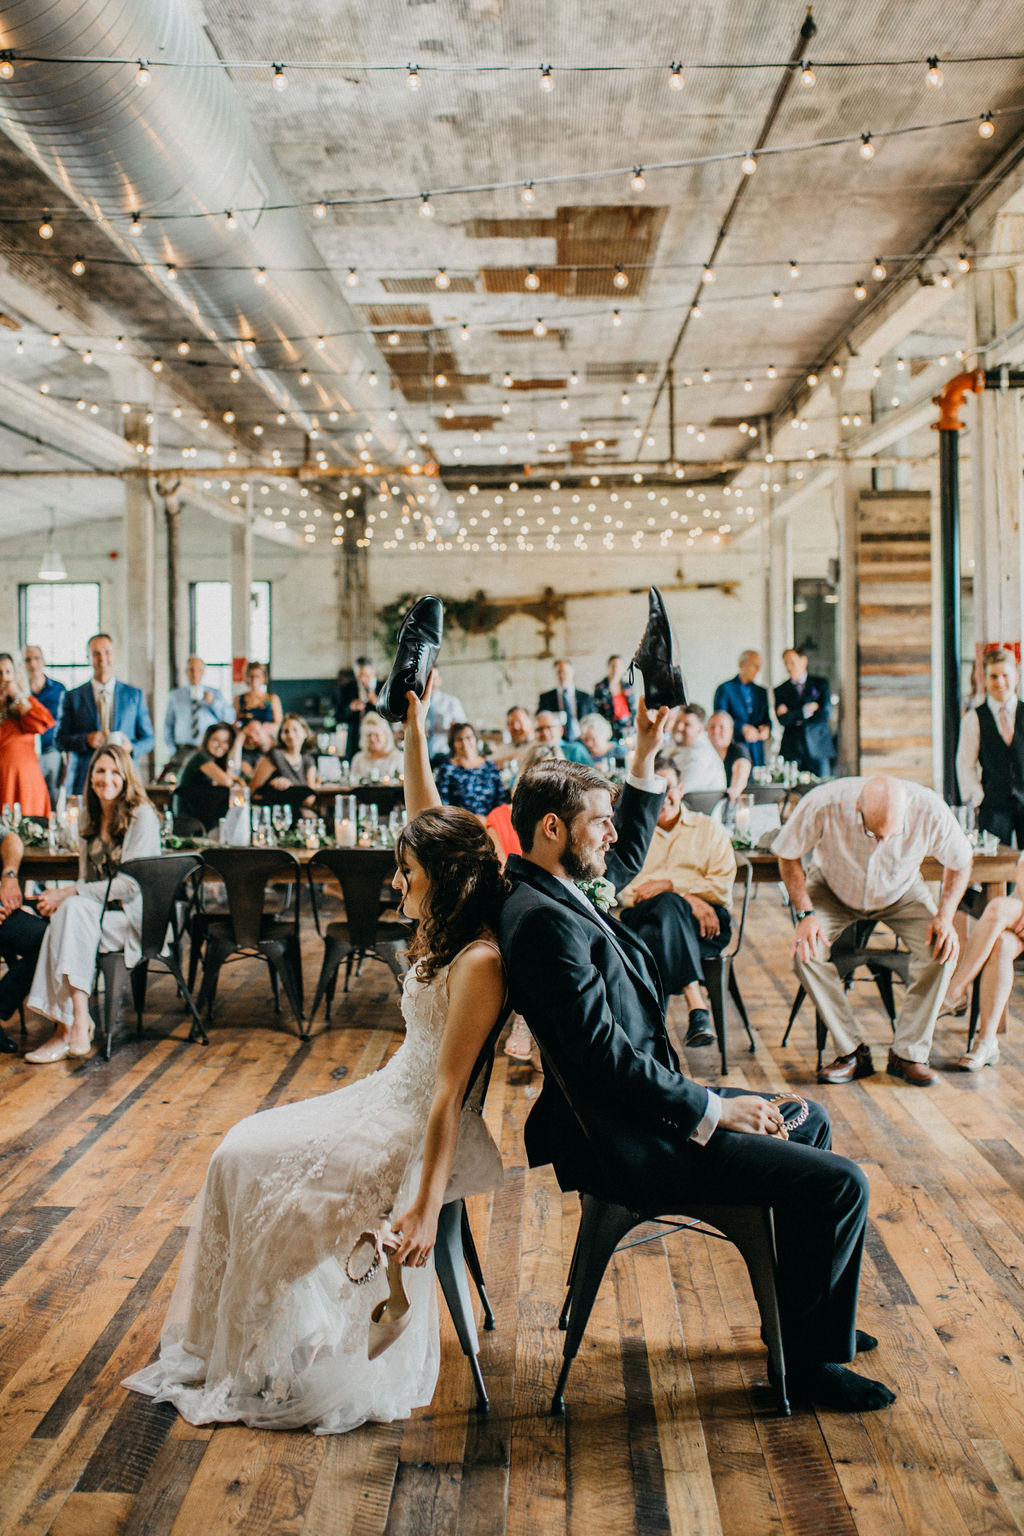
287	774
596	735
995	942
679	902
252	744
990	757
567	700
699	765
355	698
21	934
22	719
257	702
735	755
614	700
378	757
802	707
192	709
869	838
467	779
50	694
102	712
550	732
746	701
444	711
118	824
204	789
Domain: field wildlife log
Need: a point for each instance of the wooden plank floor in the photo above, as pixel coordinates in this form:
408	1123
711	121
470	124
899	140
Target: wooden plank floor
670	1426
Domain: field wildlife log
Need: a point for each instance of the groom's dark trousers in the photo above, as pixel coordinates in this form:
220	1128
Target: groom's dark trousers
616	1116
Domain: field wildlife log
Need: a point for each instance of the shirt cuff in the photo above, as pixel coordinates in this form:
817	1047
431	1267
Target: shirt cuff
655	785
703	1133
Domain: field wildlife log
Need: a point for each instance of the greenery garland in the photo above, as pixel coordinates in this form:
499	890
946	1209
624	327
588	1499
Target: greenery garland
474	615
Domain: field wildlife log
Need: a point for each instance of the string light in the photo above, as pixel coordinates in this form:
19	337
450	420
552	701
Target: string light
235	375
528	195
156	365
171	272
531	280
878	270
442	280
621	278
748	165
638	181
78	267
304	378
230	221
261	277
748	385
441	380
708	275
641	377
706	376
426	206
986	127
55	339
934	77
773	372
228	417
280	80
794	270
183	348
867	149
547	81
807	75
320	210
695	311
6	65
142	74
574	378
675	79
412	79
540	329
46	228
860	292
812	379
372	376
836	371
352	278
777	299
321	343
136	222
963	262
616	317
464	333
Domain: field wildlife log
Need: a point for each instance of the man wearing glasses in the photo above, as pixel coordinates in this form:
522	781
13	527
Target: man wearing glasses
869	838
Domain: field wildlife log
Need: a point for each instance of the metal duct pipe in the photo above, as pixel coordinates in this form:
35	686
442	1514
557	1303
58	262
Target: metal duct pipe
182	145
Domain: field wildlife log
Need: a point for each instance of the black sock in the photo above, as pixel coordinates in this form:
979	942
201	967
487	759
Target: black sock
833	1386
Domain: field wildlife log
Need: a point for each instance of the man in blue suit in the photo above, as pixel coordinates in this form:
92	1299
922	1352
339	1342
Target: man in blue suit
802	707
100	711
747	703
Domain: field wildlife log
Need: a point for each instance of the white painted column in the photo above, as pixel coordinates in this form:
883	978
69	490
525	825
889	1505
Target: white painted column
997	445
778	594
136	643
850	482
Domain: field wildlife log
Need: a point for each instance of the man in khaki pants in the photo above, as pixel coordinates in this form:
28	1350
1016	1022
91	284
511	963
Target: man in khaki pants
869	838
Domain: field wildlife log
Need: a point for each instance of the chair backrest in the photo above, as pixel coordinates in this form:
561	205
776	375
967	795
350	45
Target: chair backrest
703	801
480	1077
361	873
246	873
188	826
160	881
744	872
767	794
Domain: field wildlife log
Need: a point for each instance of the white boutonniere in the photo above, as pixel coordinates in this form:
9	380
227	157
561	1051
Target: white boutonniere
600	893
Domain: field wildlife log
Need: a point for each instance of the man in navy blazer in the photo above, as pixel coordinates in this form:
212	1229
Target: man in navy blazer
747	702
100	711
802	707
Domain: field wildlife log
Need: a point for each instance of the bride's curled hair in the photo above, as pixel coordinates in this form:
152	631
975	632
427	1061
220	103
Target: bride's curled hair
467	887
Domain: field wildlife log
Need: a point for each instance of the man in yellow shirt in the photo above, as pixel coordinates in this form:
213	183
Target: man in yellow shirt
679	902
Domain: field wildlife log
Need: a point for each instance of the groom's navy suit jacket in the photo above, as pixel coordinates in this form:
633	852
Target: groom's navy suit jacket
593	1000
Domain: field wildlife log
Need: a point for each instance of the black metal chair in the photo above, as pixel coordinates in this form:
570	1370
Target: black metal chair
188	826
363	933
767	794
247	930
169	887
720	972
850	951
704	801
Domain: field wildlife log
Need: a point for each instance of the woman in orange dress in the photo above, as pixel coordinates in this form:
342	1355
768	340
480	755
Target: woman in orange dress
22	718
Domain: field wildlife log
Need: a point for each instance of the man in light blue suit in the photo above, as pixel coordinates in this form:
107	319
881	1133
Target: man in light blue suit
100	711
747	703
192	709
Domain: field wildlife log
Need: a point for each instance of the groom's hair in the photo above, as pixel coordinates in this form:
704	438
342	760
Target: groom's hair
553	785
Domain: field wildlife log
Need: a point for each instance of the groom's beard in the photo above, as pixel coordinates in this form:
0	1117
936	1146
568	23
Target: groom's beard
582	863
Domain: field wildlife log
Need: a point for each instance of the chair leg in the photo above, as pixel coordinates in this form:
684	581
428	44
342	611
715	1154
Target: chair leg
185	993
349	962
821	1039
476	1268
195	949
284	963
139	976
21	1017
734	993
275	987
451	1272
798	1003
333	952
715	982
602	1226
563	1316
883	981
752	1230
115	980
213	959
972	1022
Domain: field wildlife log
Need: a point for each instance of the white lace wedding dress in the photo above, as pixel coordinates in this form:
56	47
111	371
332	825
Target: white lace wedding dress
264	1325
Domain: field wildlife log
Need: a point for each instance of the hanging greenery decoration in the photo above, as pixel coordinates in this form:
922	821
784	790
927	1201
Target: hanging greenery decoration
475	615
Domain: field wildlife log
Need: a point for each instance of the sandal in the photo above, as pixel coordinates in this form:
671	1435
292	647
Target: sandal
984	1053
390	1317
519	1044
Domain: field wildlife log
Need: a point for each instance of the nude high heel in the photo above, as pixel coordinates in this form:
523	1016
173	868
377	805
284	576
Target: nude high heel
390	1317
55	1049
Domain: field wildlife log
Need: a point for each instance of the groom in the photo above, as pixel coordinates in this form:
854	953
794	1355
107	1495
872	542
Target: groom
633	1128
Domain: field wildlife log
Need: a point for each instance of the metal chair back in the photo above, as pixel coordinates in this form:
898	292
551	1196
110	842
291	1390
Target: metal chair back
361	873
704	801
161	882
246	873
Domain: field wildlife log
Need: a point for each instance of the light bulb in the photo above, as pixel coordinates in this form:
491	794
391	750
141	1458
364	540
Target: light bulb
807	75
183	348
249	345
156	365
6	65
412	79
945	281
547	82
136	222
540	329
836	371
464	333
860	292
706	376
867	149
639	180
303	378
794	270
507	381
900	365
812	379
773	372
708	275
878	270
393	339
528	195
505	407
321	343
142	73
171	272
426	206
695	311
963	262
531	280
352	278
748	165
621	278
320	210
777	300
442	280
78	267
564	402
228	417
235	375
440	379
934	77
372	377
449	412
986	127
747	385
280	80
261	276
616	317
574	378
624	397
46	228
675	79
230	221
641	376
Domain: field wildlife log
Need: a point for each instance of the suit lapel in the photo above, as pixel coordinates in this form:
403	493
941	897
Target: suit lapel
115	707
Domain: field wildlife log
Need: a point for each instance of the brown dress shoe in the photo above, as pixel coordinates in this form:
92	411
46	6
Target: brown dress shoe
918	1073
846	1069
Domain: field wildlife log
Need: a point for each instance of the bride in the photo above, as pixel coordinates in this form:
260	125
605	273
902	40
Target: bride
265	1325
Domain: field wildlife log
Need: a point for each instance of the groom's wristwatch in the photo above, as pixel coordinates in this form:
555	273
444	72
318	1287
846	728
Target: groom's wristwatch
803	912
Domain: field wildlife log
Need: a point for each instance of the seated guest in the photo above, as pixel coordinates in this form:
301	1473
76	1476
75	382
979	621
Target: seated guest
990	757
50	694
802	707
501	832
869	838
192	709
256	702
698	764
117	824
550	732
735	755
467	779
100	712
995	942
747	704
22	719
614	700
287	774
519	728
251	746
566	700
21	934
679	902
444	711
596	736
378	757
357	696
204	788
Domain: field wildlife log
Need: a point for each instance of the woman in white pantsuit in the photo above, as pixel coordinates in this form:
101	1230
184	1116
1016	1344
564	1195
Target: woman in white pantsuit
118	824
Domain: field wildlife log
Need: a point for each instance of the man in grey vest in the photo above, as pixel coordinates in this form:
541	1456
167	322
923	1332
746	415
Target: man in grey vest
990	757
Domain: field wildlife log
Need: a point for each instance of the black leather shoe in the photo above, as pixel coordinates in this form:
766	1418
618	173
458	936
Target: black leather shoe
7	1045
699	1031
663	681
419	641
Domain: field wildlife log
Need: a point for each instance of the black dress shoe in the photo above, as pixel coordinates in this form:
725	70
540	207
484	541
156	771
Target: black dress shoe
663	681
7	1045
419	641
699	1031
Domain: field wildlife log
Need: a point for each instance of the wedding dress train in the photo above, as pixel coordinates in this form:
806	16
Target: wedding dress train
264	1325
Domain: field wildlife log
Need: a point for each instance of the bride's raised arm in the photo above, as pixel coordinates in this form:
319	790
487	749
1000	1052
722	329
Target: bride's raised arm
420	789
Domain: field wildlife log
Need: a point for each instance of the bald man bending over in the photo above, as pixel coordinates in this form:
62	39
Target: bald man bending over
869	838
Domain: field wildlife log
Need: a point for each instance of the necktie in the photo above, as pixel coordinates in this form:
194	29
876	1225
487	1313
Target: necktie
105	711
800	690
1005	724
196	706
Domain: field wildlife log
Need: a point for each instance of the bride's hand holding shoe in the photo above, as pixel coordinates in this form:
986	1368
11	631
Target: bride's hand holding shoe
417	1228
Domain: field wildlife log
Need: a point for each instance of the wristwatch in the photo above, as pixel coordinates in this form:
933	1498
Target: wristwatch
802	913
8	874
